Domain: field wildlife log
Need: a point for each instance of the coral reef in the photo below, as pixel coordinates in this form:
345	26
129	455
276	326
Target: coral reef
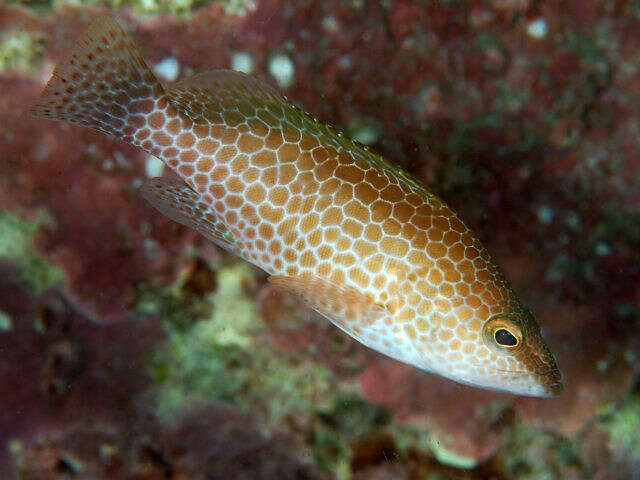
19	51
96	229
460	436
16	245
59	371
226	357
132	348
215	441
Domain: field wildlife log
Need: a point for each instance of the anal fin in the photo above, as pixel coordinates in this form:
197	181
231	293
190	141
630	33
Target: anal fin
180	203
346	307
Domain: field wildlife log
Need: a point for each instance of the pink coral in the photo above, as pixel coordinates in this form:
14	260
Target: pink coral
59	369
465	420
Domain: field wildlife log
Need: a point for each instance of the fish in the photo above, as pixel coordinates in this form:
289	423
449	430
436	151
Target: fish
357	238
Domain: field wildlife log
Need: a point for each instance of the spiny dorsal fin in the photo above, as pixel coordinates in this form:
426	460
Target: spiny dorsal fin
203	96
228	97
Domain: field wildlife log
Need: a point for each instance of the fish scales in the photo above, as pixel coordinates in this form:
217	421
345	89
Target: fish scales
357	238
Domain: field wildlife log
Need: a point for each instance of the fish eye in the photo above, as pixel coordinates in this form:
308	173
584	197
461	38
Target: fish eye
502	334
504	337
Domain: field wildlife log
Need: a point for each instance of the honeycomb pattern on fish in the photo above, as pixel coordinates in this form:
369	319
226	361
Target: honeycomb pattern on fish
359	239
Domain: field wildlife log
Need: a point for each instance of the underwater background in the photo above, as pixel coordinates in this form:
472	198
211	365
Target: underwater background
132	348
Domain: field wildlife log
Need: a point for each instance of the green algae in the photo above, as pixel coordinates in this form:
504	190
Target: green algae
146	7
618	229
612	235
172	305
16	244
622	422
510	98
238	7
407	437
364	130
346	418
227	357
138	6
20	51
217	349
448	457
6	324
523	447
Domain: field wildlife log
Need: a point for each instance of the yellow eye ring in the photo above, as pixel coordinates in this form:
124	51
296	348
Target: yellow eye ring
501	333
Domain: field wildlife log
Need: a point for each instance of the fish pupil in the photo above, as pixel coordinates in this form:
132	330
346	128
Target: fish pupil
505	338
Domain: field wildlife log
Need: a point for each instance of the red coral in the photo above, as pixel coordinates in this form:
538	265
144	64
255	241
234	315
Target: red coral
295	329
465	420
58	369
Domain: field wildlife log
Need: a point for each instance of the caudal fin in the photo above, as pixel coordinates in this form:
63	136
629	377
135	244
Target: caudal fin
102	83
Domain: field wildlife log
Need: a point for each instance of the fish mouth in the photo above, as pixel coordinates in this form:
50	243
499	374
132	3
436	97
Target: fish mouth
549	387
554	389
552	373
553	385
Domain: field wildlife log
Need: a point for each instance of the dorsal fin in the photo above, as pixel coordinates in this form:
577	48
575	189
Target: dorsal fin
203	96
226	96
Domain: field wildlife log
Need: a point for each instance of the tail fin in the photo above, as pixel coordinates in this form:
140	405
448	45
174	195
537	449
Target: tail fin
103	83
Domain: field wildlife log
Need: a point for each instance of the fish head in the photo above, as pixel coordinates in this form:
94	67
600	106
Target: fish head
506	352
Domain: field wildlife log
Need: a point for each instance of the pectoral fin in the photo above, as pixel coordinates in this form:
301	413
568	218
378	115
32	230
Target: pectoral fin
180	203
346	307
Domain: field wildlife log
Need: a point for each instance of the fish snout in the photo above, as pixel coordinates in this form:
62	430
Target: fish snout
551	382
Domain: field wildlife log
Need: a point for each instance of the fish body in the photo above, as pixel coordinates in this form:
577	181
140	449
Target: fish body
358	239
